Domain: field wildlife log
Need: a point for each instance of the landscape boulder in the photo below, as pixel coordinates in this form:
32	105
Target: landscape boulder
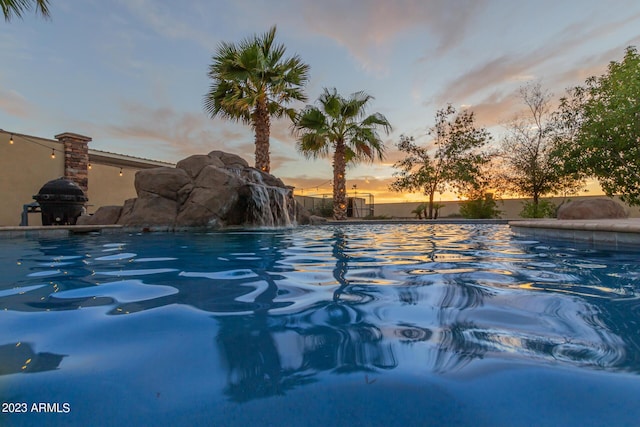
104	215
216	190
597	208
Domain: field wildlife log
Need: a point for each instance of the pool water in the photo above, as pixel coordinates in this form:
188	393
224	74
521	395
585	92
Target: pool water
333	325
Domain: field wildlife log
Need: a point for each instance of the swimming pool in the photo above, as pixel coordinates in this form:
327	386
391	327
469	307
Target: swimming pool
331	325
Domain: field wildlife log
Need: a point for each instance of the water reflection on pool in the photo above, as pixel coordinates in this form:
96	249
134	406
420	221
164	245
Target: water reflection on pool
353	325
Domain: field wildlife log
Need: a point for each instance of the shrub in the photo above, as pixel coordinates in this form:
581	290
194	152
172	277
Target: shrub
420	210
324	209
481	208
544	209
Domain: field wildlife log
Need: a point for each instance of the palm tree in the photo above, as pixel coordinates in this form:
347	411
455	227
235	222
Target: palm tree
17	7
340	125
252	82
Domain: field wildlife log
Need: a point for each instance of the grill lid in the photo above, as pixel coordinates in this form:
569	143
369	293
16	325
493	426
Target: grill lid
61	190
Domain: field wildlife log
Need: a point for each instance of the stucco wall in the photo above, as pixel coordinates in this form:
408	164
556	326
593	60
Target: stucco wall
26	165
107	187
510	208
24	168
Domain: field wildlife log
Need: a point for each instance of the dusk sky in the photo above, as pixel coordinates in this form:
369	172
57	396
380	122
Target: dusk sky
132	74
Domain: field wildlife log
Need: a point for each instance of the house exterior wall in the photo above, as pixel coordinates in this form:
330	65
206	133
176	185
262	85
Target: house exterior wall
24	168
107	187
26	165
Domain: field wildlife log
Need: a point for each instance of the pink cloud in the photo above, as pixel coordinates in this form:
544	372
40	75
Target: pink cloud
179	134
367	29
511	67
14	103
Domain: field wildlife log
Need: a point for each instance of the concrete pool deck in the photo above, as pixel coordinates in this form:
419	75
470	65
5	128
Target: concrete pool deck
55	231
609	233
606	233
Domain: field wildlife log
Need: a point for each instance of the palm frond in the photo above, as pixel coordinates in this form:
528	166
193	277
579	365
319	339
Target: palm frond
377	119
356	104
18	7
314	145
331	102
311	119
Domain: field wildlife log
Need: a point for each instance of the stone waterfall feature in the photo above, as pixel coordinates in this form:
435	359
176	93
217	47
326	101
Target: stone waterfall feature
217	190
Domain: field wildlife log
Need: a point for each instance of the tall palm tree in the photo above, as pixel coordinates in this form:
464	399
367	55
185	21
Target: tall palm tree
340	124
252	82
18	7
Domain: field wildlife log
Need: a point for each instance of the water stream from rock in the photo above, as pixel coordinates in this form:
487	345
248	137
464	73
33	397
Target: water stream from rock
271	207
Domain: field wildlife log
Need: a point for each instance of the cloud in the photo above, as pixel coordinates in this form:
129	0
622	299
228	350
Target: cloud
376	187
368	29
593	65
176	134
14	104
169	21
497	108
512	67
172	135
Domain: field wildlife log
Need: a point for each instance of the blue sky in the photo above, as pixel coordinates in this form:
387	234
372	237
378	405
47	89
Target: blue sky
132	74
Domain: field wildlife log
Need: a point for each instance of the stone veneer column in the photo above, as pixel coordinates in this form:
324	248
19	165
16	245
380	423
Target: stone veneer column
76	158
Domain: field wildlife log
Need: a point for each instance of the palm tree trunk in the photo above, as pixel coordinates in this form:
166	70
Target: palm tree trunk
262	126
339	182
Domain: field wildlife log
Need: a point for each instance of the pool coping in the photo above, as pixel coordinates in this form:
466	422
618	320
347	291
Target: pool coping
55	231
604	233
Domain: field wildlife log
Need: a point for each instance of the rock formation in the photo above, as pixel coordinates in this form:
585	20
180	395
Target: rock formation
598	208
217	190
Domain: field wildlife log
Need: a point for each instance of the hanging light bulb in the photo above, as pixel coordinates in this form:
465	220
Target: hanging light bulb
89	166
53	153
120	172
11	140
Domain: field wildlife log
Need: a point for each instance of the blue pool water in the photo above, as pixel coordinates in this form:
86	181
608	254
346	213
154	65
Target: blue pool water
352	325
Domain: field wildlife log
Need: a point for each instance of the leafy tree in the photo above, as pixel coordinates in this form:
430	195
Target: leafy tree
456	161
531	165
340	125
18	7
605	115
252	82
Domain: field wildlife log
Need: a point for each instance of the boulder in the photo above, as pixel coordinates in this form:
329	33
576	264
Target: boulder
164	182
301	214
229	160
317	220
207	206
214	191
105	215
194	164
598	208
150	210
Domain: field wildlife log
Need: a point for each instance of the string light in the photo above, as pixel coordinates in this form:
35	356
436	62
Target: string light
89	166
317	187
120	172
32	140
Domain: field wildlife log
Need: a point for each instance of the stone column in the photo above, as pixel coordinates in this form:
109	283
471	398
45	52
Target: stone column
76	158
